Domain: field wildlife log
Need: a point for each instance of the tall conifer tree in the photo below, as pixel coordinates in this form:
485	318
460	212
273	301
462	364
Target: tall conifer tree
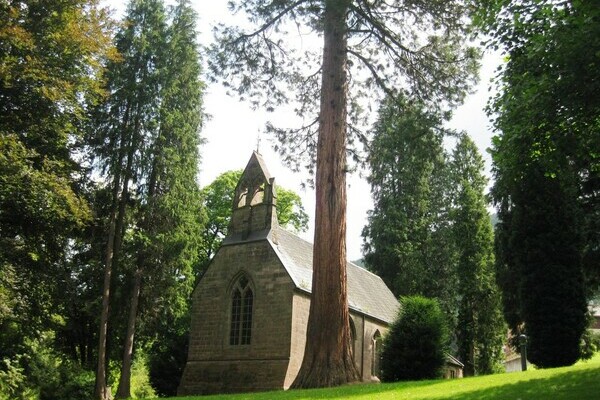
168	220
405	156
408	239
126	124
480	328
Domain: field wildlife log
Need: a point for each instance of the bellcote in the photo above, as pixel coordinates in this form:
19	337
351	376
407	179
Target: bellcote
254	202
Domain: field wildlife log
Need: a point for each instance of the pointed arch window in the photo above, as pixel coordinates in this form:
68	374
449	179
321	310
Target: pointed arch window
376	354
352	338
242	298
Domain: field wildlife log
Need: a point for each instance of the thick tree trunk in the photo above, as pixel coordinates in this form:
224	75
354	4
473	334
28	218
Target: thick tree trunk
124	389
328	357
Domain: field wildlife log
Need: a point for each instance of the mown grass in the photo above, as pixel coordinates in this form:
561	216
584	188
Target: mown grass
581	381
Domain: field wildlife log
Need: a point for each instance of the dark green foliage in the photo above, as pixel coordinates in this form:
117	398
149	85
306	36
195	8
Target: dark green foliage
51	73
43	373
546	165
146	139
65	382
167	357
407	239
415	346
51	61
547	243
590	344
430	233
480	328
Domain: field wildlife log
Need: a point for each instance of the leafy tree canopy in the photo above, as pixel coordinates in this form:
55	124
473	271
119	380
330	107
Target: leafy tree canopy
51	67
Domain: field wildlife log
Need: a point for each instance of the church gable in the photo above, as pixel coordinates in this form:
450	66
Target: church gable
241	323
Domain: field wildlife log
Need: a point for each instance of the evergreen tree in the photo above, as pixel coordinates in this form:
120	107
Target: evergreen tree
408	239
546	116
546	239
480	328
126	125
147	140
416	344
169	218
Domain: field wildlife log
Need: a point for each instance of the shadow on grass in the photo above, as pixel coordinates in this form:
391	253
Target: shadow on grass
569	385
582	384
572	384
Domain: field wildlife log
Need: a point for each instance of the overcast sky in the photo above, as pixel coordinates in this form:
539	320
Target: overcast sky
232	130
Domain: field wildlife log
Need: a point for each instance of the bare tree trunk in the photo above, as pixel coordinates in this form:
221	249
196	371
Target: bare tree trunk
328	357
100	392
113	246
124	389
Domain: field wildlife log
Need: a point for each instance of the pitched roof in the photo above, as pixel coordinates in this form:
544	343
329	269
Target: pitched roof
367	293
450	359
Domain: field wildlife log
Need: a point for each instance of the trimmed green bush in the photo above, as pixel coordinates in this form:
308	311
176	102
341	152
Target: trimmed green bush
416	343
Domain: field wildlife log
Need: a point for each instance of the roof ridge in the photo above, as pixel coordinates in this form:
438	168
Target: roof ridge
312	244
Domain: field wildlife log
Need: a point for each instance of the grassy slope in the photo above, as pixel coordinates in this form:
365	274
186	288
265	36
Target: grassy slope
581	381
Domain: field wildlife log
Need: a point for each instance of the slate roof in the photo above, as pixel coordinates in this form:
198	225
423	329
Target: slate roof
367	293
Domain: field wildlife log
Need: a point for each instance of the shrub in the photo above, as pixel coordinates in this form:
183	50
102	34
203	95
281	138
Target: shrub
590	344
416	343
167	358
12	380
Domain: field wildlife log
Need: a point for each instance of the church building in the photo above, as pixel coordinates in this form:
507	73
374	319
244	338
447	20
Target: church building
250	309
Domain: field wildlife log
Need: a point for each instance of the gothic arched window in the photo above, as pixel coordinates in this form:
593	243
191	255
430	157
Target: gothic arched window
376	354
241	312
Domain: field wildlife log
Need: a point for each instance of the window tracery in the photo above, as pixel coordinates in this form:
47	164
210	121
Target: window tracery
242	299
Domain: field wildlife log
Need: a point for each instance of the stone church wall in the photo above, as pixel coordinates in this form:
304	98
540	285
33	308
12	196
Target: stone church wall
298	338
215	366
367	335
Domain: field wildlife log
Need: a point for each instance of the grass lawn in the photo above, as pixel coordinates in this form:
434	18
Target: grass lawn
579	382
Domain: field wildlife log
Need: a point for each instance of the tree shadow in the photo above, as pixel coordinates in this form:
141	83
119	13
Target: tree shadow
582	384
578	384
568	385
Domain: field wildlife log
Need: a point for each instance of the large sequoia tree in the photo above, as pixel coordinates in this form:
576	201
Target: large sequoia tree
369	44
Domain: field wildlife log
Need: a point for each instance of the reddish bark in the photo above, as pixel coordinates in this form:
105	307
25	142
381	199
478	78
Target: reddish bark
328	357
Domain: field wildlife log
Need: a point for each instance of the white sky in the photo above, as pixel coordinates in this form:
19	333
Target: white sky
232	130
